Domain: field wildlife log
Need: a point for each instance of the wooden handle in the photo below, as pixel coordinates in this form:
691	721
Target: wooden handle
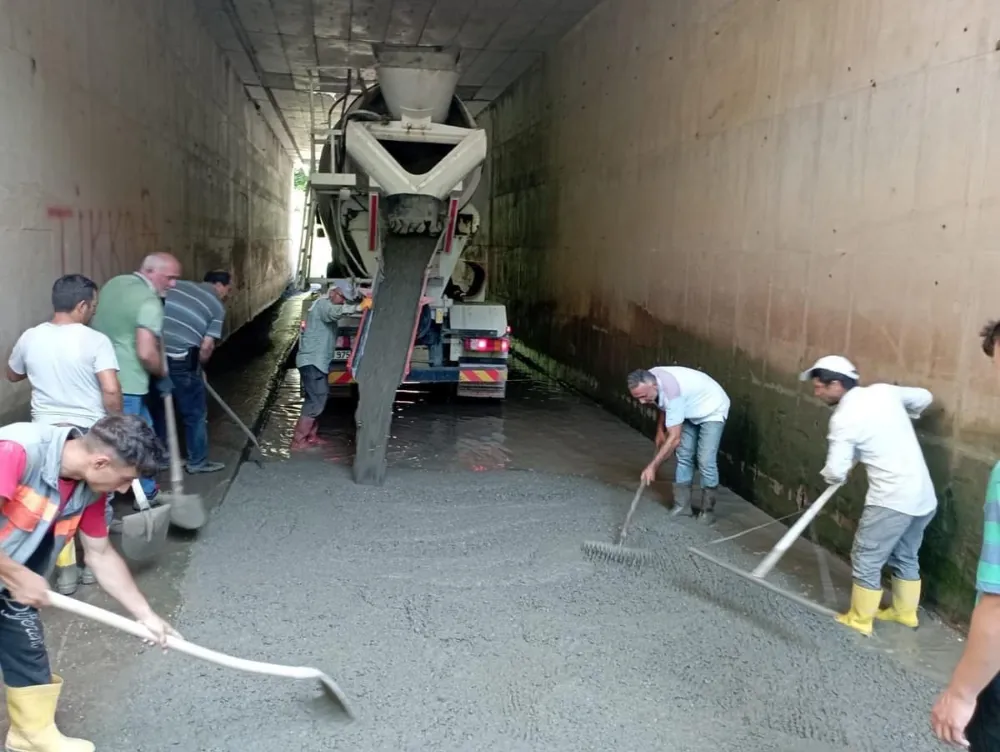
134	628
173	444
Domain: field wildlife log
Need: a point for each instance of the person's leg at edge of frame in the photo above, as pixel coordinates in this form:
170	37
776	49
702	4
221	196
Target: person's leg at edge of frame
189	392
879	530
709	438
905	565
135	404
32	689
684	475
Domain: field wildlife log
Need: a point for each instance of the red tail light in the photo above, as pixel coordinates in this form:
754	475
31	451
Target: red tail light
488	345
343	342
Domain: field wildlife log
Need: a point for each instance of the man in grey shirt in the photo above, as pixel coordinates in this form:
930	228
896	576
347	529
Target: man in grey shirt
316	346
193	317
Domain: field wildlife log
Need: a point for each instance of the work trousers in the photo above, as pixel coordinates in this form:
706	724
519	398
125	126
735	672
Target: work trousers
887	537
699	444
23	658
315	387
983	732
191	401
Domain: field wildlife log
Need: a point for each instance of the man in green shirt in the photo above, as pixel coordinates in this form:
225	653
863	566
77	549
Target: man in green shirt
316	347
131	315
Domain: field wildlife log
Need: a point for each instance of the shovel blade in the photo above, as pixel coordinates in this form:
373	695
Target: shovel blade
340	708
145	533
187	511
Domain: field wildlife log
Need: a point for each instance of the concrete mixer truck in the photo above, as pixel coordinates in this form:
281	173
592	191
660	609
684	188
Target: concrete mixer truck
403	162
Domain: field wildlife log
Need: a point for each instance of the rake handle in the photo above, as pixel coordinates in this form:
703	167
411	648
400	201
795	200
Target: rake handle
764	568
134	628
631	511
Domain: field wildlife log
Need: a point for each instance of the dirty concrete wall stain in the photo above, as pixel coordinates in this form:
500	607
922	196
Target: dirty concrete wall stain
152	145
743	187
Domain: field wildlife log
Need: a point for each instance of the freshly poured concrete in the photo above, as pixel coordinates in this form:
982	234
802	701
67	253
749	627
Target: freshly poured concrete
455	609
389	335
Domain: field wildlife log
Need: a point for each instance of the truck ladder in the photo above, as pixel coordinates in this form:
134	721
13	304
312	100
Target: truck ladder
308	233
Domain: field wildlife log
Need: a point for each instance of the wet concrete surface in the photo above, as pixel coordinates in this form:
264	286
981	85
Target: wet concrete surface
89	656
455	609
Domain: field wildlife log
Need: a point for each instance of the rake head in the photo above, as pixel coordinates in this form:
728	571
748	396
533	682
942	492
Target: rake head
615	553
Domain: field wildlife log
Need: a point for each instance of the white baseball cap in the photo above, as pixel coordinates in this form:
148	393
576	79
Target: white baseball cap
836	363
344	286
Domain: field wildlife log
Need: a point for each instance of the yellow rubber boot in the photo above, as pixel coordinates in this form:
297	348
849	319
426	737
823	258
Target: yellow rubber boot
905	599
32	712
864	604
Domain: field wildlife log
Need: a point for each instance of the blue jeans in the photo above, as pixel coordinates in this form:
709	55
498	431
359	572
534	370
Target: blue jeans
886	536
701	444
135	404
190	399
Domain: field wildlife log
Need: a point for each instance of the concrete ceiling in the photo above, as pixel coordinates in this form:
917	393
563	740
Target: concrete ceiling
272	44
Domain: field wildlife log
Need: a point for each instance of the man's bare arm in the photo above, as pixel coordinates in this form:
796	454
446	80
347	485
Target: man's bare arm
980	662
111	391
114	576
14	376
207	348
147	347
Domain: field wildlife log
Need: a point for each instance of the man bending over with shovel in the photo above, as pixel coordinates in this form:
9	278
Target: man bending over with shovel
52	483
693	409
873	424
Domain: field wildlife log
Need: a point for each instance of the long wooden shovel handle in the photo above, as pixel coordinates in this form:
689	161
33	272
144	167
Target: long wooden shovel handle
134	628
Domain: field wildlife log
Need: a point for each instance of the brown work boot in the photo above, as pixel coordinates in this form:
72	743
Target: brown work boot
682	499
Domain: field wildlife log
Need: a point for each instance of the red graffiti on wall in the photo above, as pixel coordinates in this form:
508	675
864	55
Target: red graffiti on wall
101	243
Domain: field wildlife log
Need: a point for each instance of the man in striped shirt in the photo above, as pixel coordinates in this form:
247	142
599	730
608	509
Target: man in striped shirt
193	317
967	714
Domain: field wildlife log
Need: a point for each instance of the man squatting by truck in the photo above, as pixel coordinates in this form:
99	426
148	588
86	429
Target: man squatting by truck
873	425
693	409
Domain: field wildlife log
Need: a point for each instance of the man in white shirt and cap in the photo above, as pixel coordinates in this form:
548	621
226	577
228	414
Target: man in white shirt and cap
693	409
873	425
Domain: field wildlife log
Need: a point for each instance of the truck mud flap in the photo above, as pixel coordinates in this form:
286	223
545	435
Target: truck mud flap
482	383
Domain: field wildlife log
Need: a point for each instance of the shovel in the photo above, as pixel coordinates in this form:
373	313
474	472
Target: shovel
136	629
187	511
145	531
234	417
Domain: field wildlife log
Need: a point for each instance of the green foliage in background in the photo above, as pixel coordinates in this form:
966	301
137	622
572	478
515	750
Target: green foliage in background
300	179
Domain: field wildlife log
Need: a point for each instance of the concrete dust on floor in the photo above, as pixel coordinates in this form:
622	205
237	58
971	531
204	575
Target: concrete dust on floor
457	612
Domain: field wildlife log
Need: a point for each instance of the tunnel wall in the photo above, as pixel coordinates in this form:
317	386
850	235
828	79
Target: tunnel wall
124	131
744	185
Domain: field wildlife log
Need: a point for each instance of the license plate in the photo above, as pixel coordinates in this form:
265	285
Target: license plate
341	354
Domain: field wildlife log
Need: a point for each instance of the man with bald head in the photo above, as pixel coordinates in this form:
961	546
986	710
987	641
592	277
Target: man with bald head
131	315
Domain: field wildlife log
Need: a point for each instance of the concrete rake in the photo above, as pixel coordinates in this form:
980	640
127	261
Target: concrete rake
774	556
134	628
617	552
